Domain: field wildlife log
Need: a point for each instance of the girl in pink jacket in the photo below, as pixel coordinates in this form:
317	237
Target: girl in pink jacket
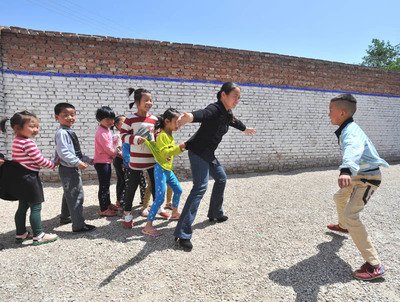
105	150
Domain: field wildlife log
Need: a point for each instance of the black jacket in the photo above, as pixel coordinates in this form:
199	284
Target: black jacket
215	121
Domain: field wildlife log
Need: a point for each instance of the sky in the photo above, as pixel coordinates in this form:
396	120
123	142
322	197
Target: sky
333	30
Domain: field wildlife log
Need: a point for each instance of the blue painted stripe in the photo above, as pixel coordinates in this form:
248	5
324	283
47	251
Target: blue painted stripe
103	76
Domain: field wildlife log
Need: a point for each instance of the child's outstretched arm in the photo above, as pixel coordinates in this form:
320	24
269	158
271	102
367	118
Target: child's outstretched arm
165	148
31	150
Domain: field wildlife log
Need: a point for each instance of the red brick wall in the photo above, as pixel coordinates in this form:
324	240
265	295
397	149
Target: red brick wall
29	50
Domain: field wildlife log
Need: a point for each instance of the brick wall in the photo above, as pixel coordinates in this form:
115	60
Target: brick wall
285	98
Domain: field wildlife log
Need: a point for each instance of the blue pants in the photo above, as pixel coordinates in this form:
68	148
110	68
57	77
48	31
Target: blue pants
163	177
201	170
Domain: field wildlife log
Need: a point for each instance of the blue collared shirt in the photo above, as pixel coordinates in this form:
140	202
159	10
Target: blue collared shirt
359	154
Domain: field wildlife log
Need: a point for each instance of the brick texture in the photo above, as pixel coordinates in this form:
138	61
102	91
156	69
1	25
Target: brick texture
285	98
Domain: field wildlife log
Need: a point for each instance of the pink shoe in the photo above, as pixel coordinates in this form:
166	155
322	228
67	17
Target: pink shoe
165	215
107	213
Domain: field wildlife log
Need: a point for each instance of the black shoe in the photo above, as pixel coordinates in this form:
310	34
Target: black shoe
223	218
1	247
86	228
65	221
184	243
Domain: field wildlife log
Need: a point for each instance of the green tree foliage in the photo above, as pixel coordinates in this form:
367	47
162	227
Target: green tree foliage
383	55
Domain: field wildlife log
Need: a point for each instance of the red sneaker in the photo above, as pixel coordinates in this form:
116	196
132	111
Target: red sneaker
113	207
337	228
164	214
107	213
369	272
127	224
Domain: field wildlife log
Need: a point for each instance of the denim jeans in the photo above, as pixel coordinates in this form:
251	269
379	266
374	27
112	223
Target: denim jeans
104	176
201	170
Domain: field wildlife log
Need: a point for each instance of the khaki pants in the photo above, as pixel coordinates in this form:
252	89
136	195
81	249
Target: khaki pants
350	201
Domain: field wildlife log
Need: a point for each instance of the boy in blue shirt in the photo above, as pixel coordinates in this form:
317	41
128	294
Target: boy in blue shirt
359	178
72	160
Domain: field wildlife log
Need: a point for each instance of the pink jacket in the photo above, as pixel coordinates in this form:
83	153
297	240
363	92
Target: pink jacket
104	148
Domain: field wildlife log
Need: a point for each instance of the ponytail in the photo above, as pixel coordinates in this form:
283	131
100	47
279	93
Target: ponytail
18	120
3	124
137	95
169	114
227	88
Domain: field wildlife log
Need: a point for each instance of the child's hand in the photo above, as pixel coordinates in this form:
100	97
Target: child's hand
140	140
344	180
82	165
184	118
250	131
182	146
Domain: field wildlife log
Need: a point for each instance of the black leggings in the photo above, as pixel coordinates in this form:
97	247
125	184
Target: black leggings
133	182
119	171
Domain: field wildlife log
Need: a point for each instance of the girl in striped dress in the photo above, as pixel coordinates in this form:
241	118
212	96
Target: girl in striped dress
23	181
135	129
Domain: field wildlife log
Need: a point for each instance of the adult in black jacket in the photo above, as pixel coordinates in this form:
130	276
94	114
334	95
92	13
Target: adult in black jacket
215	120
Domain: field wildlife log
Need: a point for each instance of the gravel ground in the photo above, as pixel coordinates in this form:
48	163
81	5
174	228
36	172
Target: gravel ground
274	247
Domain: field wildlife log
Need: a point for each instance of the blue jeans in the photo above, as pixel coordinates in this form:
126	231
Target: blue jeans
163	177
201	170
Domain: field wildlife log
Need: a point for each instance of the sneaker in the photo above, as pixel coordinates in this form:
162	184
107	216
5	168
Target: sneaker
23	237
369	272
65	221
113	207
107	213
128	222
86	228
44	238
337	228
184	243
223	218
164	214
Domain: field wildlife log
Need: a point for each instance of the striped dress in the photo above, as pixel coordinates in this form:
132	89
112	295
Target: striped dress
26	153
141	157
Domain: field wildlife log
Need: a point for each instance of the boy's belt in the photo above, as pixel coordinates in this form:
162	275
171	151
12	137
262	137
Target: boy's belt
374	182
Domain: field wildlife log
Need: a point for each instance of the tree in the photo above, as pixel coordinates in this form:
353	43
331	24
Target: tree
383	55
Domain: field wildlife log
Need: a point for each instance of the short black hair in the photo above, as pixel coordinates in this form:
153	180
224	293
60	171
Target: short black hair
104	112
61	106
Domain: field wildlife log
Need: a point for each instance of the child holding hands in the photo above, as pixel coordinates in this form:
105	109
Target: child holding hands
164	149
23	181
104	152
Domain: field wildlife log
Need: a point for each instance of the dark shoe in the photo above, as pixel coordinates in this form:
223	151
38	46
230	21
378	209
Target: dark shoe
223	218
337	228
23	237
369	272
185	244
65	221
1	247
86	228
